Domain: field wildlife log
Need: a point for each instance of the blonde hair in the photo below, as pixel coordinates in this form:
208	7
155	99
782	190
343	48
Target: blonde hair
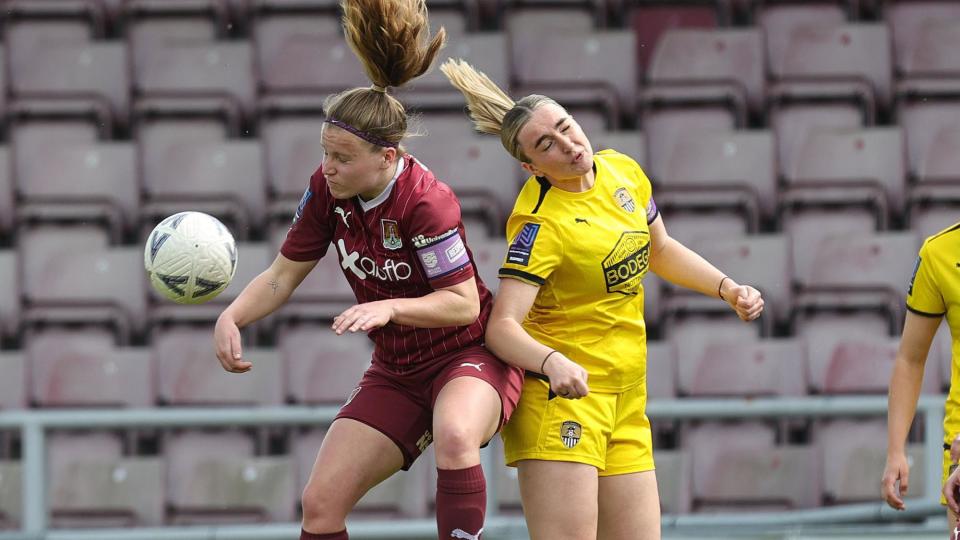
492	110
392	40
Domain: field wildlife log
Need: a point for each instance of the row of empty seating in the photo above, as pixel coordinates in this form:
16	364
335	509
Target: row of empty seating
309	364
220	477
835	269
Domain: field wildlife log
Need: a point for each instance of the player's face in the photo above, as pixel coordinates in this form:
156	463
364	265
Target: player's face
555	145
351	167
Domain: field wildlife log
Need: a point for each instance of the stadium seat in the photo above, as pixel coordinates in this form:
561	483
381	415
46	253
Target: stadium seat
813	58
846	358
188	372
215	478
723	169
525	16
649	21
931	69
849	270
702	225
631	143
78	181
661	370
723	367
850	167
506	478
853	461
739	466
10	291
793	124
401	495
941	353
86	369
680	327
674	480
93	484
664	127
714	66
932	131
319	366
13	386
184	69
11	494
928	220
761	261
225	179
653	286
544	63
912	25
487	52
301	54
105	284
779	21
7	209
292	149
477	168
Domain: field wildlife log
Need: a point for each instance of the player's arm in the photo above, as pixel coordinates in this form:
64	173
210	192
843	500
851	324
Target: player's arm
261	297
507	339
905	383
455	305
682	266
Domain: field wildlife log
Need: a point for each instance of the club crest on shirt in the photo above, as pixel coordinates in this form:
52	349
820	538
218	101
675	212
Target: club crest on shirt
570	432
391	234
624	199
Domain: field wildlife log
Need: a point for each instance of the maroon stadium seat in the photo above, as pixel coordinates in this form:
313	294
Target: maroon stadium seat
321	367
932	130
11	494
649	21
910	22
793	124
661	370
293	151
631	143
665	127
189	373
86	369
215	478
10	292
718	367
7	210
674	480
13	386
488	254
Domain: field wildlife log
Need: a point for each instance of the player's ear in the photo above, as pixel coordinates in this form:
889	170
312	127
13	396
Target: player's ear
530	168
389	157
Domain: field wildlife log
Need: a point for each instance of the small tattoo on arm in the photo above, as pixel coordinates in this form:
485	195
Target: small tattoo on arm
274	285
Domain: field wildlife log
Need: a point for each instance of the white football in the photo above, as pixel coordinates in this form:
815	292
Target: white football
190	257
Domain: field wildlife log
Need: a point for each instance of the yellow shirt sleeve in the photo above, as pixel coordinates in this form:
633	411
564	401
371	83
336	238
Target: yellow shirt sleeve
923	294
535	249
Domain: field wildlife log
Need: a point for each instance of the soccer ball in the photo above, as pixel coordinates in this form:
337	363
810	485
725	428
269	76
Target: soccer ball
190	257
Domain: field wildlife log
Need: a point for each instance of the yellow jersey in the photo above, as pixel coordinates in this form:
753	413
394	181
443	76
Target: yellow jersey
587	252
934	291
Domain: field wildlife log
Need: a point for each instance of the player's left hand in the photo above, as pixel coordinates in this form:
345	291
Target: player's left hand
363	317
745	300
950	492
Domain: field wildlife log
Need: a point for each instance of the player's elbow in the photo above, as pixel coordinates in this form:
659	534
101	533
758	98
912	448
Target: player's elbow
469	312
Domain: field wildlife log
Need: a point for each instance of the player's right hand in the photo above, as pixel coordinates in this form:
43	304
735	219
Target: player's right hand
226	339
895	481
567	379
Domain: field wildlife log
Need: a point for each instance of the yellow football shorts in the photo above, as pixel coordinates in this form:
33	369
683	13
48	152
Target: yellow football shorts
609	431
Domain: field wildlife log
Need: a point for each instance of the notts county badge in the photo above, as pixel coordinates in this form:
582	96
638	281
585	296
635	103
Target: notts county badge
624	199
570	433
391	234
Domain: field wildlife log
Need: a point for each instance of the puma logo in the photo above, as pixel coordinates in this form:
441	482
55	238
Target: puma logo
956	533
344	215
460	533
581	220
468	364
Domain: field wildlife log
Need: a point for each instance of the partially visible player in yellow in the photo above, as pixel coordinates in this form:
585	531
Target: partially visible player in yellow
583	233
934	291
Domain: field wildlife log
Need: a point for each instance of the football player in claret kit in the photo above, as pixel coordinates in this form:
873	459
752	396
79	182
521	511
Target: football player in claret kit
397	233
932	295
583	233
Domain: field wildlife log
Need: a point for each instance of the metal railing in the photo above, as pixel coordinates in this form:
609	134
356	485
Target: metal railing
34	424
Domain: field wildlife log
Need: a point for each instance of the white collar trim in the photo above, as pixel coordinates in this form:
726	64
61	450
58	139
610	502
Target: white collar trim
378	200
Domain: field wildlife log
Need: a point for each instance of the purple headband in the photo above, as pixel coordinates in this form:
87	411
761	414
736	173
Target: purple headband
362	134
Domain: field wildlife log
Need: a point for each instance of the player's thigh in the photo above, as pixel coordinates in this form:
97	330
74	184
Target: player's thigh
353	458
629	507
559	499
467	411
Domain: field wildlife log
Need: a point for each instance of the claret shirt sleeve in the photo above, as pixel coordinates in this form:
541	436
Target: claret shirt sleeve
435	232
310	234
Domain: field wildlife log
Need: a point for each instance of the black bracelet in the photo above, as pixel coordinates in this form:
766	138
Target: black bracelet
720	287
545	361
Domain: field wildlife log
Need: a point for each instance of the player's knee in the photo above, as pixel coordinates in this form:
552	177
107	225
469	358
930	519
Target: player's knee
455	442
321	505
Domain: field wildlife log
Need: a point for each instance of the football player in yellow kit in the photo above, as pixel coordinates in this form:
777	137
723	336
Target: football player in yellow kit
933	293
584	231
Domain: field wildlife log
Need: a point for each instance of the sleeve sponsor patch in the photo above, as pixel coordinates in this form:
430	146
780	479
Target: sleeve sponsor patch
519	251
916	268
444	257
303	204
